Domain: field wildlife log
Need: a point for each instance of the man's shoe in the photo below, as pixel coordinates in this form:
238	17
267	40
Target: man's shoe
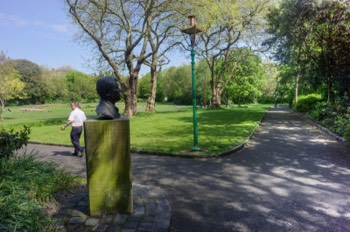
74	154
82	153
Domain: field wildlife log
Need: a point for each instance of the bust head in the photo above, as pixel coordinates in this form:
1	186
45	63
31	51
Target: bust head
108	89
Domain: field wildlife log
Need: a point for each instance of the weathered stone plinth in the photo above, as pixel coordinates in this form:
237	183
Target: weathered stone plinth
108	161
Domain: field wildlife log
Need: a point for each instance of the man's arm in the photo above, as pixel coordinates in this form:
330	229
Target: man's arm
66	125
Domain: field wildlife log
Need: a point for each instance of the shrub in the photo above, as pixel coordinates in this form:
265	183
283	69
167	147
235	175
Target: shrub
320	111
11	141
26	186
347	133
307	102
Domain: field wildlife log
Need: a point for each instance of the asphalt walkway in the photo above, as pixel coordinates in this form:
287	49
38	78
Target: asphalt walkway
290	177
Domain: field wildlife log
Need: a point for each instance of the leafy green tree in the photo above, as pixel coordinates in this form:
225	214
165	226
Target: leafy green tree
177	84
227	26
31	75
143	86
56	84
285	84
331	35
81	86
11	85
311	37
244	80
162	40
203	83
271	73
120	33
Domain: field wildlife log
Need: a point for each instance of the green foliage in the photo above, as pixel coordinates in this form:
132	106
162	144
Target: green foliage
347	133
10	84
320	111
269	87
244	81
11	141
335	117
177	84
41	85
312	37
25	186
56	85
81	86
31	75
307	102
143	86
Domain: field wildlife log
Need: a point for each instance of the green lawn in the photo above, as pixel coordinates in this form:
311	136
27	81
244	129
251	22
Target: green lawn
168	130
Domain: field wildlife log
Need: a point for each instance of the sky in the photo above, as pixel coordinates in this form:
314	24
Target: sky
40	31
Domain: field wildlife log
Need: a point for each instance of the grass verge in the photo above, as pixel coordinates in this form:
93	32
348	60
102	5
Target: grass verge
168	130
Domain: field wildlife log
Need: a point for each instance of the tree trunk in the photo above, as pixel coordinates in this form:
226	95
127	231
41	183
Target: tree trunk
216	92
216	100
296	91
2	106
130	97
151	101
329	91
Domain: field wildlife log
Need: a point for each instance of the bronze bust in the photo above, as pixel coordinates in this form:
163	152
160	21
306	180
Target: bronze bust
108	89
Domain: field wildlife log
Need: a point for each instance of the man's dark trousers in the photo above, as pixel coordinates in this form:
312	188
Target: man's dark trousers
75	135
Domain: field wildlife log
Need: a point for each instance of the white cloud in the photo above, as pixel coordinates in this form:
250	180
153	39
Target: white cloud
13	20
9	20
60	28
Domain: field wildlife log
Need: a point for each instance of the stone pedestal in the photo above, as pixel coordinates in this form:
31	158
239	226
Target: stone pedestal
108	161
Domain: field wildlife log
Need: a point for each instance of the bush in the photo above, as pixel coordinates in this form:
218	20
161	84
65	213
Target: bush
11	141
307	102
347	133
320	111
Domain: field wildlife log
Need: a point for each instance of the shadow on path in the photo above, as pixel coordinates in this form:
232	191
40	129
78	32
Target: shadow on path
290	177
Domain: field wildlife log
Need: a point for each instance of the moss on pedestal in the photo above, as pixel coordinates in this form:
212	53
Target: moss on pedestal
108	161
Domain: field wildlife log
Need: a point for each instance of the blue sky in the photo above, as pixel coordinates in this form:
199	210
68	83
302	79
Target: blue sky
39	31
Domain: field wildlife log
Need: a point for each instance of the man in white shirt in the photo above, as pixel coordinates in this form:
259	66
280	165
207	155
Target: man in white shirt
76	119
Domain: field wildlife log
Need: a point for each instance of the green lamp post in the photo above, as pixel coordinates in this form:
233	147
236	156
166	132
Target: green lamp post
192	31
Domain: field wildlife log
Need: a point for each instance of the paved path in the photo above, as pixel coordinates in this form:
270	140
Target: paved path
290	177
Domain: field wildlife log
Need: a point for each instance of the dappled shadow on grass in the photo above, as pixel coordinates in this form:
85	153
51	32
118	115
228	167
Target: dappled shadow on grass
291	177
48	122
40	122
221	130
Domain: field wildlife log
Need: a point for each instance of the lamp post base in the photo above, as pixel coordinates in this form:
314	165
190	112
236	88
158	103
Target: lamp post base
196	148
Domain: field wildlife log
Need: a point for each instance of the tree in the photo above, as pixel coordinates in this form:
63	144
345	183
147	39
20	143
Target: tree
177	84
31	75
228	25
331	35
244	77
143	86
10	84
269	88
120	30
55	84
161	41
80	86
203	85
311	37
